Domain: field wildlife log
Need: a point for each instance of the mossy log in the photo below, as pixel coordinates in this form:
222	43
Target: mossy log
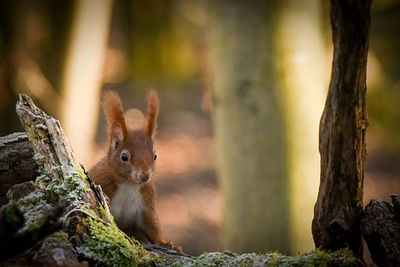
14	241
87	219
87	229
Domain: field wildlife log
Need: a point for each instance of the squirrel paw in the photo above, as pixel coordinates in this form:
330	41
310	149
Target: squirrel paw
170	245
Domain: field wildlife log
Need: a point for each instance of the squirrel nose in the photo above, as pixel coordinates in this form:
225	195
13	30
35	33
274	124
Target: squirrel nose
144	177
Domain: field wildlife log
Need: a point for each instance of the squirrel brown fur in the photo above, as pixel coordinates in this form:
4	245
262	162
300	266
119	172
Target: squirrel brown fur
126	172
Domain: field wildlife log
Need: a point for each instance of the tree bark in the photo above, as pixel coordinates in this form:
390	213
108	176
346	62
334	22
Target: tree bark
16	162
338	210
380	226
13	242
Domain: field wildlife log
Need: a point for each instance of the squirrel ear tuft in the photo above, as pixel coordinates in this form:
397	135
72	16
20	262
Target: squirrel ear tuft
114	113
153	106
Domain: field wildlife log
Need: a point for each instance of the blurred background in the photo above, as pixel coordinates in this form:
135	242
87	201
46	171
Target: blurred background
242	87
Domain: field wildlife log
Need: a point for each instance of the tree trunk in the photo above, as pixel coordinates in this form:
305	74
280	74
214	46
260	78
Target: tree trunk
338	210
249	125
302	74
83	74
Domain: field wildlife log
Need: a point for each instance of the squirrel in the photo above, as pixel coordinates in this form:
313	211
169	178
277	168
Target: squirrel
125	173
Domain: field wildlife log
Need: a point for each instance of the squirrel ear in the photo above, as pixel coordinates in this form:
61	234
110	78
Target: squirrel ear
114	113
153	106
116	137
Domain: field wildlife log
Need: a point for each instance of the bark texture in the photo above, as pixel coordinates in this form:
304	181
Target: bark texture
16	162
380	227
12	221
338	210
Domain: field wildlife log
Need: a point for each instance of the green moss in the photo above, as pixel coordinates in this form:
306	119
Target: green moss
57	171
13	215
251	259
54	240
72	188
60	235
212	259
57	250
104	213
33	207
39	159
229	259
343	257
108	246
274	259
50	190
215	259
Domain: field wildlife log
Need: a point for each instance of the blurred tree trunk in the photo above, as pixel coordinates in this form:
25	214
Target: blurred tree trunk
303	76
338	210
32	34
249	125
83	74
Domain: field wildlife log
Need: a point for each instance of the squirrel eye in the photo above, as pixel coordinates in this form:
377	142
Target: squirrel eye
154	155
125	156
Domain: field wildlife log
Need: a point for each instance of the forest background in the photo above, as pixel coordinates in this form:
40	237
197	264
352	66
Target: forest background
66	53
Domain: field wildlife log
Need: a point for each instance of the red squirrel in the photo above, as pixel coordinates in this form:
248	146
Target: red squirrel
125	173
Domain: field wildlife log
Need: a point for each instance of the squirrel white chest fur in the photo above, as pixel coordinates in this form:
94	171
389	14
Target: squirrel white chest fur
127	203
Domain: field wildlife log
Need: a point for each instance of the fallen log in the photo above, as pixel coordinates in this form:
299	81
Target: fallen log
15	241
16	162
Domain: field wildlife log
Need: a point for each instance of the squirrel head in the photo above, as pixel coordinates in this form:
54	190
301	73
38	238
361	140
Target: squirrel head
131	156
